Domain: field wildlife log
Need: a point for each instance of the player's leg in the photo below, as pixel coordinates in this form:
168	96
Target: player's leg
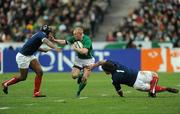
153	84
36	67
154	88
75	71
86	74
23	65
80	77
146	82
14	80
172	90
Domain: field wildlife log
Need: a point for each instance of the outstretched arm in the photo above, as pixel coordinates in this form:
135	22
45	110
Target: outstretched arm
117	86
51	45
44	49
61	42
99	63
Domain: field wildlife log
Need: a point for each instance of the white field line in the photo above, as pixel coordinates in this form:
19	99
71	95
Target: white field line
29	104
127	91
83	97
104	95
4	108
60	101
178	85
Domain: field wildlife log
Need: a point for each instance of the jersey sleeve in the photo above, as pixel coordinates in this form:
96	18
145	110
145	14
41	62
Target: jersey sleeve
116	85
69	40
42	36
87	44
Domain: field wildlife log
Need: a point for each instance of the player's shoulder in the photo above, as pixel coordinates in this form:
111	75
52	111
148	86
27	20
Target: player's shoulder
40	33
86	38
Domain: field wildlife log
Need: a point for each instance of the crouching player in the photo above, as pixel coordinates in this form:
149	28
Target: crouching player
141	80
25	58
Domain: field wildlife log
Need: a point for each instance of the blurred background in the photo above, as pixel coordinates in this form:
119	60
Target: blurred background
148	27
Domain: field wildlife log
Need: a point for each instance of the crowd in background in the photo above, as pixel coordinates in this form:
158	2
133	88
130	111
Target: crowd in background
154	20
19	19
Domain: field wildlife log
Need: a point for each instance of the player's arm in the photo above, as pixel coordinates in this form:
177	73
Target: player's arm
80	50
61	42
44	49
50	44
85	48
117	86
99	63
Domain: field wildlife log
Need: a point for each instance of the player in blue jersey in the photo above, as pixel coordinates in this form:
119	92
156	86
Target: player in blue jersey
141	80
25	59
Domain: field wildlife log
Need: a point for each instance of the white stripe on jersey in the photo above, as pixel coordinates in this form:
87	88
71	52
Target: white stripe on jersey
119	70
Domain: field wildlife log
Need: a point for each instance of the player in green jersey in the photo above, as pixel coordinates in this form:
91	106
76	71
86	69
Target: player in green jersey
83	59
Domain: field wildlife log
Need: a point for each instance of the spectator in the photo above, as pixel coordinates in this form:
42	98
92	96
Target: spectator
25	17
154	20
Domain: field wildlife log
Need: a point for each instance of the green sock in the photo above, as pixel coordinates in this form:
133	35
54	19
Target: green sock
81	87
79	78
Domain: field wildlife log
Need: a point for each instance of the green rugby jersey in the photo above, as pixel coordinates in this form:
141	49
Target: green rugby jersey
87	43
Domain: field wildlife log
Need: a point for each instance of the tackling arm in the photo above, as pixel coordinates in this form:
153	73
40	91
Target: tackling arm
61	42
99	63
44	49
117	86
51	45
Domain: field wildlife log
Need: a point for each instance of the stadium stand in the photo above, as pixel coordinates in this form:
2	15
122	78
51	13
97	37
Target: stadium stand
154	20
19	19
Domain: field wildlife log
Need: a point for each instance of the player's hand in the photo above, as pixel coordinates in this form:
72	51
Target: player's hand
57	49
84	79
74	48
92	66
46	50
51	38
120	93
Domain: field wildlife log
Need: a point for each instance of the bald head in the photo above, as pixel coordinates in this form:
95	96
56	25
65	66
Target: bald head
78	33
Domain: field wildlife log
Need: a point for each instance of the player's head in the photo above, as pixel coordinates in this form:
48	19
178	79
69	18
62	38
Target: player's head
46	29
78	33
108	67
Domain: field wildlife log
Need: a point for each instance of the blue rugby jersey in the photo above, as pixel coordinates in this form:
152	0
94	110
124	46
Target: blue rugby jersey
123	75
33	44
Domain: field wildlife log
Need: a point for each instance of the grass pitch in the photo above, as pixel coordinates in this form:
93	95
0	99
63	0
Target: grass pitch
99	97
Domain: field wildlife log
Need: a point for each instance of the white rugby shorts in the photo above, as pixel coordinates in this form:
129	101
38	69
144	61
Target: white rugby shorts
143	80
24	61
83	62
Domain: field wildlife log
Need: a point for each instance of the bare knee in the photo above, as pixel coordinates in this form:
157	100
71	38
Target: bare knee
155	75
74	75
39	73
22	78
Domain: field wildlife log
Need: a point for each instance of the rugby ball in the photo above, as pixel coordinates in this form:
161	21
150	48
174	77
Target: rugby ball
78	44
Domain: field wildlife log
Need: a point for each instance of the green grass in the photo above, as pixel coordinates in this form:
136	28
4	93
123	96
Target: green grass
102	99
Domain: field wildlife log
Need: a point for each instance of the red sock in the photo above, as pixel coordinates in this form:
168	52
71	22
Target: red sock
11	81
160	88
153	84
37	83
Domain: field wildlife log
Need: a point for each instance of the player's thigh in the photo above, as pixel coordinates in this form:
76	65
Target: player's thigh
75	72
23	61
36	67
23	74
143	80
87	71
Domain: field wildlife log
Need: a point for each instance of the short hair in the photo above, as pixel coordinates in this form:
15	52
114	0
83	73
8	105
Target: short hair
78	30
109	67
